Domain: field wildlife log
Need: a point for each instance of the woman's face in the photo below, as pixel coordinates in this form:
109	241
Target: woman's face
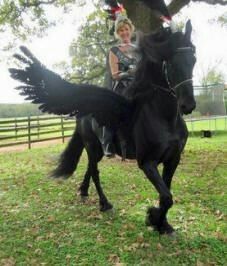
125	33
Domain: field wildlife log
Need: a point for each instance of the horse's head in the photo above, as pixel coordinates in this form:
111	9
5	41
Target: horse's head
179	67
168	59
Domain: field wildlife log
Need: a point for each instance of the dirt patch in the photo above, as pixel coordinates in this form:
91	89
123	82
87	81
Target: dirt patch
34	145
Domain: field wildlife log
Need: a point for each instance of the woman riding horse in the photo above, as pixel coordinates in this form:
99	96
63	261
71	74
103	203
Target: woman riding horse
123	59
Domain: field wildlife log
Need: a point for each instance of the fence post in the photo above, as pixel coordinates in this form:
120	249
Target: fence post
192	126
62	129
38	127
16	128
29	132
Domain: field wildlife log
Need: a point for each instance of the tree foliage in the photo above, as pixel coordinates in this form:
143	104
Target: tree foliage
30	17
27	17
19	110
213	76
90	50
223	19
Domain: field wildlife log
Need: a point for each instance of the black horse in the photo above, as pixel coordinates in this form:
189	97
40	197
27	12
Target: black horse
148	123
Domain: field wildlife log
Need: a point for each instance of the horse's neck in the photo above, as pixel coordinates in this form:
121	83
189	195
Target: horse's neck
148	77
157	75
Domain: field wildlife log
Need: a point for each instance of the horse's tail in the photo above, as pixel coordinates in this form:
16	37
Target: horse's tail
70	157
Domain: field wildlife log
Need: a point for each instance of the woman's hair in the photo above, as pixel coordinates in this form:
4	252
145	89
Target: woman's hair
120	22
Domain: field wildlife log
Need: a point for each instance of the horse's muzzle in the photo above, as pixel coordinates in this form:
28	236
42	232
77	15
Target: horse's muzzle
187	108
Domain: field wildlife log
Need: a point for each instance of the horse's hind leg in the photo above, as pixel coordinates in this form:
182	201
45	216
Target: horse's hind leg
105	205
83	190
95	155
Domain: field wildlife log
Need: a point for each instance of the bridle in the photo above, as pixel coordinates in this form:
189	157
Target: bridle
165	68
182	83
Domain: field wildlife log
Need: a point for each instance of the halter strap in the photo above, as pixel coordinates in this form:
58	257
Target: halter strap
181	83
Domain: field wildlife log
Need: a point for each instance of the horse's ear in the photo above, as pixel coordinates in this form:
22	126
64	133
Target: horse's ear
188	30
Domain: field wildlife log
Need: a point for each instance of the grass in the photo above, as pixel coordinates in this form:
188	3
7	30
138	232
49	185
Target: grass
43	222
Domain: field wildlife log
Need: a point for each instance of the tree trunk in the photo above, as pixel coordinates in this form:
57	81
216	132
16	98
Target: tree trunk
147	21
142	17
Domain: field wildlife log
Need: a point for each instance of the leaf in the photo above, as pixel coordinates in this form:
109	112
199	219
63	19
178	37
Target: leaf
68	257
50	219
113	258
100	239
140	238
199	263
38	251
8	262
129	226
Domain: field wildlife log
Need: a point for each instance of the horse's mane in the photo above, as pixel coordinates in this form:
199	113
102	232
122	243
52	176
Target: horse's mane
152	48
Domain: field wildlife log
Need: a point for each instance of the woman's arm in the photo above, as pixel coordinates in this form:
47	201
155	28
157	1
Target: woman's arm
114	66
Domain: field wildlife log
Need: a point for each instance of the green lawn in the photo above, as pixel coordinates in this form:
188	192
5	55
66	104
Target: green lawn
43	222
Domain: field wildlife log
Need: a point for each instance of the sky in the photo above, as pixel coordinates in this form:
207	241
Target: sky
210	41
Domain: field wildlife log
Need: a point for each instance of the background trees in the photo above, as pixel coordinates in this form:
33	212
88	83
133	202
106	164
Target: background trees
26	17
90	50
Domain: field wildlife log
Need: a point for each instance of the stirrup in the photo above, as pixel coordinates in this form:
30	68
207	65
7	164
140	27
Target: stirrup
108	150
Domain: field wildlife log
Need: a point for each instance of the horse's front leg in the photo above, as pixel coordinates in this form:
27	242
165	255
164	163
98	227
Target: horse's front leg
157	216
169	169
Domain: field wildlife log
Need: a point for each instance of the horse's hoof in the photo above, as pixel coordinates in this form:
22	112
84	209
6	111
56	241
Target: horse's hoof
106	207
153	216
58	178
167	229
83	198
171	235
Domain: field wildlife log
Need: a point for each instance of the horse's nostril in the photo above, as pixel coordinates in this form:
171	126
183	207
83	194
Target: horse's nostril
187	108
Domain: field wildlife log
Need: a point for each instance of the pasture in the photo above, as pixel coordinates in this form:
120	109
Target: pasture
44	222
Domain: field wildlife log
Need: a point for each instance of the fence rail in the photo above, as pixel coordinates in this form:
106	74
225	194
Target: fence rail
30	130
211	123
17	131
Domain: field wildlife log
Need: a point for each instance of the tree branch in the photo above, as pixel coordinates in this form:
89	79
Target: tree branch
213	2
38	3
176	5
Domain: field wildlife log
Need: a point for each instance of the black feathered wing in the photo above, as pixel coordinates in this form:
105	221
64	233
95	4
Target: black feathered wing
58	96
